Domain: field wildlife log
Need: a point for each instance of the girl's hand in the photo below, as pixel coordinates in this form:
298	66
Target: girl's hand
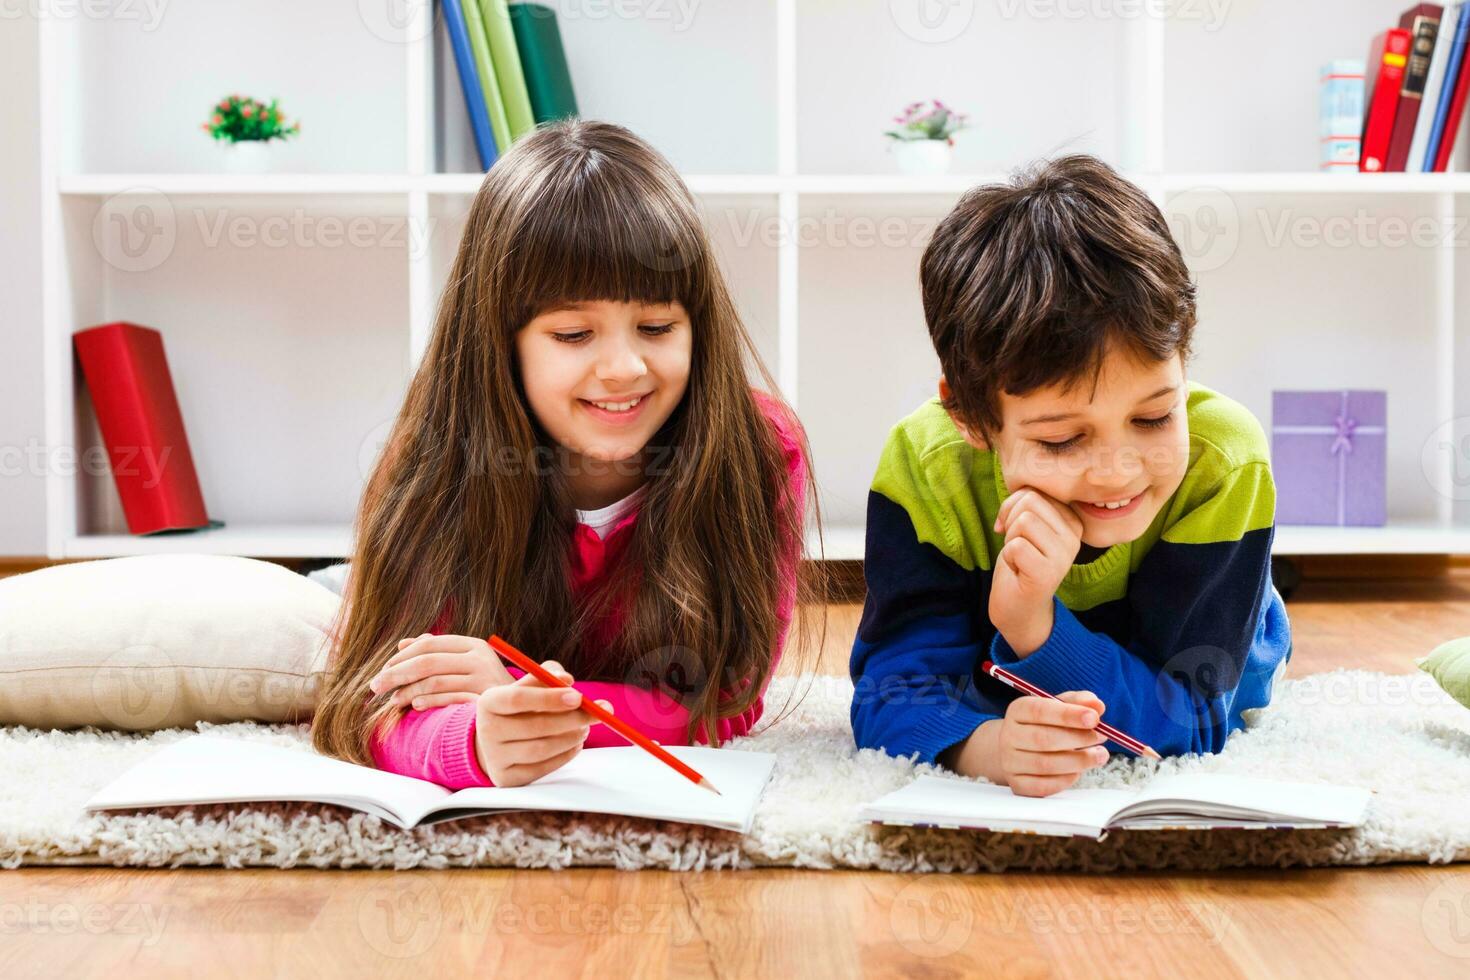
524	730
431	670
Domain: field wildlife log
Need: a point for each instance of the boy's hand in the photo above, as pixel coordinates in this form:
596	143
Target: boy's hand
524	729
431	670
1039	748
1042	538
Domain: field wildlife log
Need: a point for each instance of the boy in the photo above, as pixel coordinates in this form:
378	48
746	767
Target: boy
1069	507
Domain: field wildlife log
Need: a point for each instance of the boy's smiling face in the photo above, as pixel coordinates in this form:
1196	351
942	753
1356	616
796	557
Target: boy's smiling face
1125	442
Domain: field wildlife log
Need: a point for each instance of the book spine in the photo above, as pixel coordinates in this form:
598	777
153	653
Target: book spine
1387	58
1454	102
1422	23
548	79
469	82
1340	114
138	412
508	68
485	66
1419	159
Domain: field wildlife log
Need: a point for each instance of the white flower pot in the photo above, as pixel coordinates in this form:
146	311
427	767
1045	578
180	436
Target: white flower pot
249	157
923	158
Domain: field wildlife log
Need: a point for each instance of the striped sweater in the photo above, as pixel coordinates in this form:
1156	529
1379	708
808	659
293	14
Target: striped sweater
1177	632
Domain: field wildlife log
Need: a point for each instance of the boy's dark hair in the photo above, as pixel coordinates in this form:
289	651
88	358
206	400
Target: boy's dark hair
1026	283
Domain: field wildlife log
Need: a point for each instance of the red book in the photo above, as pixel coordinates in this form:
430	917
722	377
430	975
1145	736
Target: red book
1385	66
1422	23
1452	119
138	413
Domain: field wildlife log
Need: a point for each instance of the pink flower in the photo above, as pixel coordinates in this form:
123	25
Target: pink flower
246	111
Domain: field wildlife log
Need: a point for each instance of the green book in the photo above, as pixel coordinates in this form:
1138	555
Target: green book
499	124
508	67
548	81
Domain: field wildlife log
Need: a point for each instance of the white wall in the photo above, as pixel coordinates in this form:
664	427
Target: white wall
22	492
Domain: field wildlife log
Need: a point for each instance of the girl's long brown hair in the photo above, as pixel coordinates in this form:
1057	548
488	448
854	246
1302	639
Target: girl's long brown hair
468	508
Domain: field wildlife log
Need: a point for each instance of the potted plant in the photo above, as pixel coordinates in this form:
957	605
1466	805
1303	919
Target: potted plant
246	127
923	141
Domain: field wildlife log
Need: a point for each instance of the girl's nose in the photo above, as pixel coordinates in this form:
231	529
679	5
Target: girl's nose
622	363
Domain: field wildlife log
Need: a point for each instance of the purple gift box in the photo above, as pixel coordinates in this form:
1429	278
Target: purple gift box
1329	456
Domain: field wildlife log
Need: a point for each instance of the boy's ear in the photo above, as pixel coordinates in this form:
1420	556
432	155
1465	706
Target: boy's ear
975	439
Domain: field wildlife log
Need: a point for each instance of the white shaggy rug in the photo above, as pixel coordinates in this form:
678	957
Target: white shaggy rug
1398	735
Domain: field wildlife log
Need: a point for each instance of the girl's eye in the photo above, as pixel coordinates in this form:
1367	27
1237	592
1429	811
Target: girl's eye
572	337
1061	447
656	329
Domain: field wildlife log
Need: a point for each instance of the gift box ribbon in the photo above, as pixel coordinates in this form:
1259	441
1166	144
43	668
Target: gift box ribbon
1343	428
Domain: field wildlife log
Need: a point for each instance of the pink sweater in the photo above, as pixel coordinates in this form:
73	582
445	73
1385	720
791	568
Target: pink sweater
438	744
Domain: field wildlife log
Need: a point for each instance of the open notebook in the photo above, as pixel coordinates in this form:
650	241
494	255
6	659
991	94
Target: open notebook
1187	801
625	780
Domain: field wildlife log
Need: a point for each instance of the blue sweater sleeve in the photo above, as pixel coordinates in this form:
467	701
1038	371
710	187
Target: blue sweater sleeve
918	644
1210	636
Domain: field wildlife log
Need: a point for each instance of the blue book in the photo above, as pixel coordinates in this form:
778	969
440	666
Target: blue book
1447	90
469	82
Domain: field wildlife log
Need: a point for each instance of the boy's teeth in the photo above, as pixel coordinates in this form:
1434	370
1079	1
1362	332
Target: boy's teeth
617	406
1121	503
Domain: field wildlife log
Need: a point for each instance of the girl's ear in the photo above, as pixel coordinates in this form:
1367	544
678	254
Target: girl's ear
975	439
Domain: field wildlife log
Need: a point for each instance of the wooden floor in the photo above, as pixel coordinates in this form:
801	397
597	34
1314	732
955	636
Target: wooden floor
1407	920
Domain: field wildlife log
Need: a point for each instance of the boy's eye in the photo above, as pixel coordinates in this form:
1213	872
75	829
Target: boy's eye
571	336
1061	447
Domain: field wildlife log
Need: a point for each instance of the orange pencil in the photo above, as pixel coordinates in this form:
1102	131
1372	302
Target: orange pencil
602	714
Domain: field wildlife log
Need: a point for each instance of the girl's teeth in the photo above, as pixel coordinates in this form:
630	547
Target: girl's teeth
617	406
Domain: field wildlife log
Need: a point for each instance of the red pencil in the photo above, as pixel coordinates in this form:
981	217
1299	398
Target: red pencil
1026	687
602	714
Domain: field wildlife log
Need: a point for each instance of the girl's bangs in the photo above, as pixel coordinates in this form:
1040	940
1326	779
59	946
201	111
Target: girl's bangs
639	248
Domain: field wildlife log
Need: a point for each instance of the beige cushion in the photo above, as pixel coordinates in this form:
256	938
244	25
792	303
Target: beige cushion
161	641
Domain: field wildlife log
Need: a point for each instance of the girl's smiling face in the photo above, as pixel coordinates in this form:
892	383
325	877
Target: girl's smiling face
602	377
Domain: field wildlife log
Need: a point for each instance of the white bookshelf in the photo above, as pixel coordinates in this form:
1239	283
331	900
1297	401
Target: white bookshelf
291	354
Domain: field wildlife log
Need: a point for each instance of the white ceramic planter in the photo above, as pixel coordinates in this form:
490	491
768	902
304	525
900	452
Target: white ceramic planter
249	157
923	158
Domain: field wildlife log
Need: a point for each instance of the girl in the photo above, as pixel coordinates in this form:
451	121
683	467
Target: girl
581	466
